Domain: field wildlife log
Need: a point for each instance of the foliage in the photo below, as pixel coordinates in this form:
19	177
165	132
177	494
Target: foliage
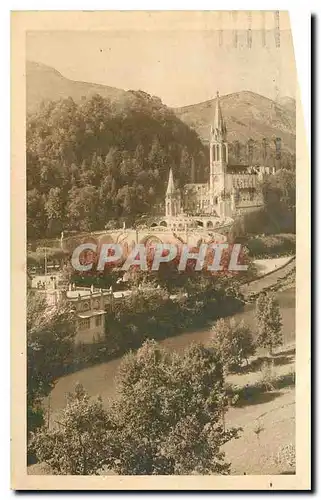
272	245
240	396
52	254
168	418
170	412
151	310
50	339
278	213
285	458
254	222
233	341
92	162
269	322
168	276
268	377
79	442
279	193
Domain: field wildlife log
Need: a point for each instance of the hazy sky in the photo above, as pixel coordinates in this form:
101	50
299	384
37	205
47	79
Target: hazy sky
182	67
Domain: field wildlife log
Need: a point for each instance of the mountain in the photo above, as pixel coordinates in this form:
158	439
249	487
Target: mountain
102	159
45	83
287	102
247	115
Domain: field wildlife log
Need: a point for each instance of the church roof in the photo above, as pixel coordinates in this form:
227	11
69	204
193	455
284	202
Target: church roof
171	185
219	125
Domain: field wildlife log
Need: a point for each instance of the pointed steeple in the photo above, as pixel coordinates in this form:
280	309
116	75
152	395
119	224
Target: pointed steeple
173	205
219	128
170	185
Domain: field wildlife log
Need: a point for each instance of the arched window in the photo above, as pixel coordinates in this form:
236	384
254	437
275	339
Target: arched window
210	225
218	153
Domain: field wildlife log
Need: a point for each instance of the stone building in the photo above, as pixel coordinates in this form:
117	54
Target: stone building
89	305
231	189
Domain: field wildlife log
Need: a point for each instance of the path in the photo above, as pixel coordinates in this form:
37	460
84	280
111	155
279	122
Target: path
268	280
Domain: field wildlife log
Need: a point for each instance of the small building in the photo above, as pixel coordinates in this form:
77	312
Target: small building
90	306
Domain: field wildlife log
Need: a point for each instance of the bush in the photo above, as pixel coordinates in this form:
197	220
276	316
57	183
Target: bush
285	458
272	245
168	418
233	341
269	322
267	376
80	442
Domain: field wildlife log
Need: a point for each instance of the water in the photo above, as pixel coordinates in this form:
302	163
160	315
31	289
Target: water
100	379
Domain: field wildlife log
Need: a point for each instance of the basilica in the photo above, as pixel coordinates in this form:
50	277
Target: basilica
230	191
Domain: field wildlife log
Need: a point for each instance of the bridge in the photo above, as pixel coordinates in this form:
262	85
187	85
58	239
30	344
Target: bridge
155	234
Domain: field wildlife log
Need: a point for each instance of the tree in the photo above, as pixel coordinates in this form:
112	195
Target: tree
233	341
75	146
54	208
269	322
185	166
36	216
82	208
169	416
50	339
249	223
279	194
79	443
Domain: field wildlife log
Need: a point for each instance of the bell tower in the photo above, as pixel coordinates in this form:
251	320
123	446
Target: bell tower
172	198
218	154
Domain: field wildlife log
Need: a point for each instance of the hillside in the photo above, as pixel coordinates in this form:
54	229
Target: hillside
287	102
96	153
97	160
247	115
47	84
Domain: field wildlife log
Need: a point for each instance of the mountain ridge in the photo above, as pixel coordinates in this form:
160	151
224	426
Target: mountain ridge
246	113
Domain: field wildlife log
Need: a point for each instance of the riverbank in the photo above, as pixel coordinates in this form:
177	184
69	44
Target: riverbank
265	410
266	266
100	379
273	410
270	281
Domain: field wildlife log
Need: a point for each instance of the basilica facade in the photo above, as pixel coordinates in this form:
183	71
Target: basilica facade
230	191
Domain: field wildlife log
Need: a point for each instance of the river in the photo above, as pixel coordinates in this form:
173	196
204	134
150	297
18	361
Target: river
99	379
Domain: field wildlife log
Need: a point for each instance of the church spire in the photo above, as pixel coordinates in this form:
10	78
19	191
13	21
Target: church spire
170	185
219	128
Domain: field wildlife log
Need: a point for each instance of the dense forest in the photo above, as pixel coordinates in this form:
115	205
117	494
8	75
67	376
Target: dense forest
91	162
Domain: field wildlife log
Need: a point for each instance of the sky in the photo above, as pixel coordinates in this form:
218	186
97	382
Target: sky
180	66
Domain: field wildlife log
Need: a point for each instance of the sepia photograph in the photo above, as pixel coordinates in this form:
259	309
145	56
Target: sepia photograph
157	207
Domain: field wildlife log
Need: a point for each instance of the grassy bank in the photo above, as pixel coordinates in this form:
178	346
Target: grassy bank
274	245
